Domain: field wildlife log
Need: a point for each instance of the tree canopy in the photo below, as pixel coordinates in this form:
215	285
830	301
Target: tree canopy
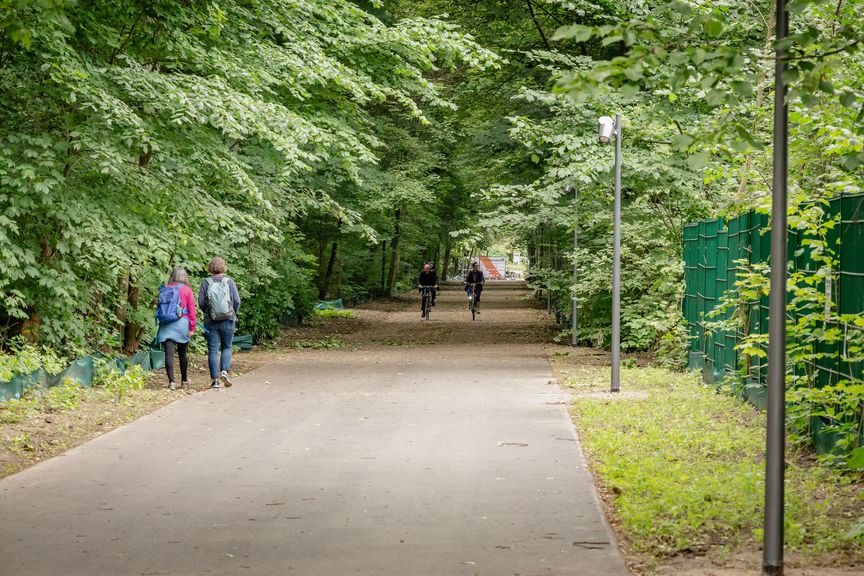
326	148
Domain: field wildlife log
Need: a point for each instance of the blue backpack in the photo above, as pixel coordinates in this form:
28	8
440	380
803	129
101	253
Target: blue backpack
168	307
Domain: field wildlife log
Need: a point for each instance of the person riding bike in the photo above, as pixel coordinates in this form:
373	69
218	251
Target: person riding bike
427	279
474	276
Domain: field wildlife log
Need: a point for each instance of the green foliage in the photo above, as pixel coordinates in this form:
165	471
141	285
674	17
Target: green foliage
61	398
56	399
685	468
14	411
24	359
324	344
334	313
284	289
135	137
119	383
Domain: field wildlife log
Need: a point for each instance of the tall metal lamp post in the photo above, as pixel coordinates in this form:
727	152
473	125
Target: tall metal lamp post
606	130
775	446
568	189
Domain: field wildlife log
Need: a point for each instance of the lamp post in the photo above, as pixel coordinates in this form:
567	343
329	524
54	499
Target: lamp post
606	130
775	448
569	188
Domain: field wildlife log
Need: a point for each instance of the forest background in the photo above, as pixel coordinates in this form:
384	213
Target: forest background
327	148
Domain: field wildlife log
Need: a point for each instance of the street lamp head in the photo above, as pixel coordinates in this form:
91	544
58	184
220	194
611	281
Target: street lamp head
605	129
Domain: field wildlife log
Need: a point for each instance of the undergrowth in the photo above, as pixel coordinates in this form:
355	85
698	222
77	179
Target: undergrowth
329	313
324	344
683	469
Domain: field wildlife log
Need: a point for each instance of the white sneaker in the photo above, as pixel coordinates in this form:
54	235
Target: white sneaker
225	380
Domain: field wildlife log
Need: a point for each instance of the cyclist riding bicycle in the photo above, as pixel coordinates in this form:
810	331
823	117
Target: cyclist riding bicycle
474	279
427	279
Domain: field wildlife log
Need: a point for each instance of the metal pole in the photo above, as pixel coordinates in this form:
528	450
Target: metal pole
772	558
616	264
575	266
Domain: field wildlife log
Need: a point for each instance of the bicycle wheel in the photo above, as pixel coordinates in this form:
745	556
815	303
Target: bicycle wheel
426	307
473	309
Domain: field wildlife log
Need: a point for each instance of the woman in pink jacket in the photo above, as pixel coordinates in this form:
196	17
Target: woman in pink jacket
176	334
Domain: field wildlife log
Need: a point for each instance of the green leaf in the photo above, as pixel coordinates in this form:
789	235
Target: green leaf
682	142
742	88
713	28
699	160
856	459
575	32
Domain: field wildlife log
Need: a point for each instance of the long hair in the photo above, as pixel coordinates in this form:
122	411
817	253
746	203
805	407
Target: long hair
179	276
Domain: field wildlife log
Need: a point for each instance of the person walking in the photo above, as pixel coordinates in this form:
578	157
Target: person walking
175	312
219	301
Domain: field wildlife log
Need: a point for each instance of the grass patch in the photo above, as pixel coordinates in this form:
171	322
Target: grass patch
328	313
325	344
682	468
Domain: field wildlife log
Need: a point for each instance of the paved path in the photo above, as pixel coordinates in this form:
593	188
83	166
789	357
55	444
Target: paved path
437	459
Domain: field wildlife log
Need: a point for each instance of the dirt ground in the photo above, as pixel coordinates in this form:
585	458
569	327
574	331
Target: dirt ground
508	317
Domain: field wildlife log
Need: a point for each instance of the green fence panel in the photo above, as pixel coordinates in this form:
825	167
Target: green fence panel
12	389
712	252
81	371
157	359
690	304
721	286
737	250
709	294
850	289
244	341
140	359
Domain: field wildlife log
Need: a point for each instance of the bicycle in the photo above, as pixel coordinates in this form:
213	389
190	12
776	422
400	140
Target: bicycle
472	299
426	295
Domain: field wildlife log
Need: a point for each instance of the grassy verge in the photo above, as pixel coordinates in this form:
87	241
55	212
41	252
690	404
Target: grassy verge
681	469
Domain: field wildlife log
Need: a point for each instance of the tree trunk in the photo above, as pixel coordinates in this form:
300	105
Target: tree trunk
383	265
30	326
123	295
322	244
394	250
324	285
131	329
445	266
760	100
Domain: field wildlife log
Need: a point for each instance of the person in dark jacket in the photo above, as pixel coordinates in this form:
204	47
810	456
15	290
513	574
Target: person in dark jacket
475	276
427	279
219	299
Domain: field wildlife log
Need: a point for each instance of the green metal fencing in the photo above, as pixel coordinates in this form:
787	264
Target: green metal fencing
712	252
83	370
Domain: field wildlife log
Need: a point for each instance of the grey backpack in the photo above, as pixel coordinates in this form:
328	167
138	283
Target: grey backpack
219	299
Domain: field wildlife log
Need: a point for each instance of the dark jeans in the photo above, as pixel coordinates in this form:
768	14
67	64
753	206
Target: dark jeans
431	297
220	336
169	359
477	291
